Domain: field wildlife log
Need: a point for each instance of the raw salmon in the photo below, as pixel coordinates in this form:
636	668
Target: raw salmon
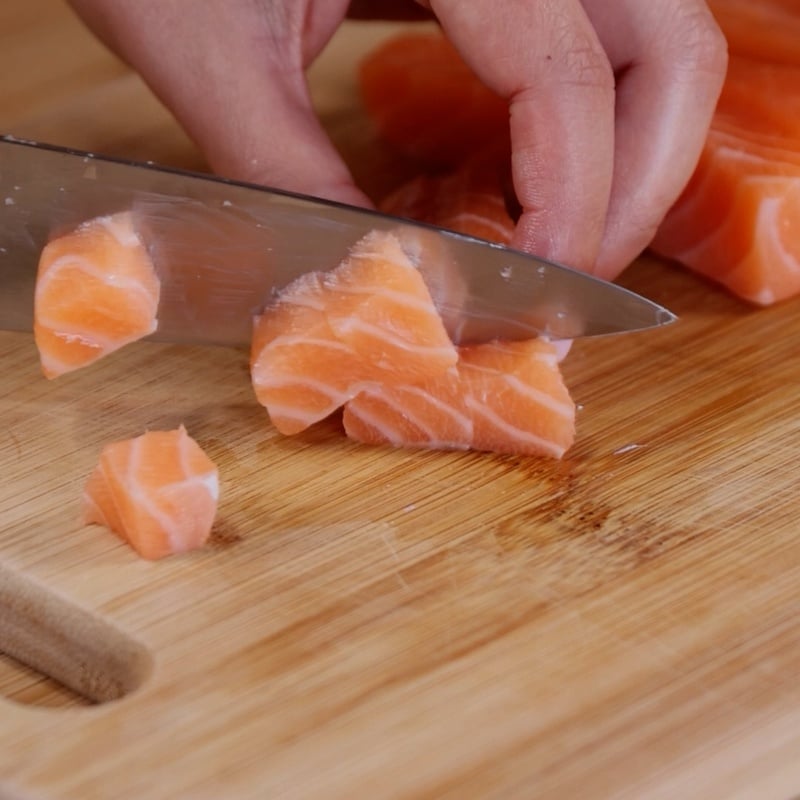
371	319
474	198
300	371
502	397
427	103
764	29
158	492
738	220
96	291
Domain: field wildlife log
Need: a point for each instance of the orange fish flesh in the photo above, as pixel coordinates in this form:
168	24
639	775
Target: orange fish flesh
327	335
502	397
158	492
96	291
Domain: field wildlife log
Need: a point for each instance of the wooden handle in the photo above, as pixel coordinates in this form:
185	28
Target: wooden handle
67	643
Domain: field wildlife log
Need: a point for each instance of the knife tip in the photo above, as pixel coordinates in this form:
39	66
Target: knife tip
665	317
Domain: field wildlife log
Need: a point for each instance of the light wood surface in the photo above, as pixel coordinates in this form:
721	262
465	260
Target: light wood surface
390	624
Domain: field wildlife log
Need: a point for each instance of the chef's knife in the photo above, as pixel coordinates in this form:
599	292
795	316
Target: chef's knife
224	248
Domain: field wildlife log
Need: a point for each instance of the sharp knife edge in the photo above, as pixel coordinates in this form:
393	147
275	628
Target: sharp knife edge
223	248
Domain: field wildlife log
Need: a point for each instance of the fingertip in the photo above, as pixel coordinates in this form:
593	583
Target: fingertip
263	172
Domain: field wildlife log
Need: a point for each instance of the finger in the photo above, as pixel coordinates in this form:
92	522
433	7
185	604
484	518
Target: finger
671	56
233	76
546	59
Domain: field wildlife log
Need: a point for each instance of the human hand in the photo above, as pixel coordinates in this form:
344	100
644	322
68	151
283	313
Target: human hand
609	100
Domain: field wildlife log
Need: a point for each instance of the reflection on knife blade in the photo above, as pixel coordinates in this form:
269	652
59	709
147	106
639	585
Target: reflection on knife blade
222	248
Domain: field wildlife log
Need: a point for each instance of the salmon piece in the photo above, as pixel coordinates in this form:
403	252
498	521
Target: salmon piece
430	415
427	103
96	291
379	305
502	397
517	398
764	29
327	335
158	492
300	371
473	199
736	222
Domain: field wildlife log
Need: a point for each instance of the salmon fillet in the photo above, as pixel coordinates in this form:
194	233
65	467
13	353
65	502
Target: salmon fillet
327	335
502	397
427	103
96	291
738	220
764	29
473	198
158	492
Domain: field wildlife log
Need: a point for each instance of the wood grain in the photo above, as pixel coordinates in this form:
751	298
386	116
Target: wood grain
377	623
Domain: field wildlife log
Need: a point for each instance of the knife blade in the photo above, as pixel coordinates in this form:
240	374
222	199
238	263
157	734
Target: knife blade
223	248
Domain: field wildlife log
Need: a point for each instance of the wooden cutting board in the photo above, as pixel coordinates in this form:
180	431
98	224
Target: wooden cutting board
379	623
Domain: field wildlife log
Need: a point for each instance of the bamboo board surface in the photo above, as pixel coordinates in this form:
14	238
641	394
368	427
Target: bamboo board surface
379	623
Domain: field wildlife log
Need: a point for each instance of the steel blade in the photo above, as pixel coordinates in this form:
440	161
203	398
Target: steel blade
223	248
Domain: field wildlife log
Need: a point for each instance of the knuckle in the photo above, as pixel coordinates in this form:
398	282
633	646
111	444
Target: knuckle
701	45
589	69
581	58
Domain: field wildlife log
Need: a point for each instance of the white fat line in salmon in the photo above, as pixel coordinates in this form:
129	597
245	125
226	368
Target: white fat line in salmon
402	410
512	432
295	339
379	333
309	384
